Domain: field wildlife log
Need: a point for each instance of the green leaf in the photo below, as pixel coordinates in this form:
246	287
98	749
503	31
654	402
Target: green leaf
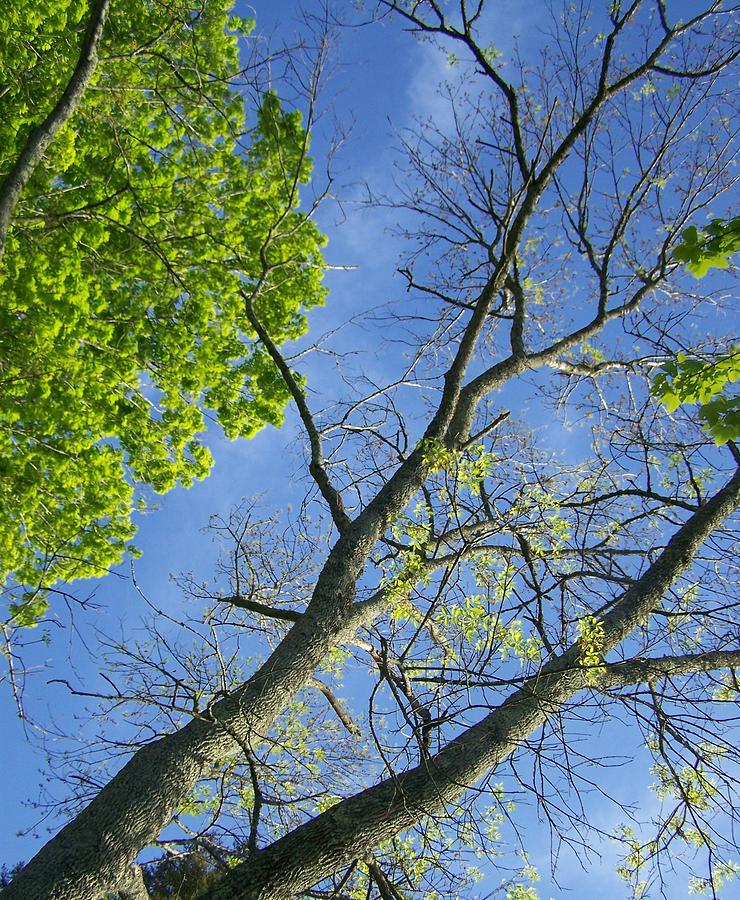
121	288
704	383
701	251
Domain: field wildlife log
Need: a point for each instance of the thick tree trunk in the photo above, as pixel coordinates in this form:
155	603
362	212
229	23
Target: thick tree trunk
94	852
353	827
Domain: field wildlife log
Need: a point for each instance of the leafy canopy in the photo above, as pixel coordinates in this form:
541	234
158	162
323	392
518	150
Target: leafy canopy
122	311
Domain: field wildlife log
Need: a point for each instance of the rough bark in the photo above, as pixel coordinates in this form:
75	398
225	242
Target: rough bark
93	853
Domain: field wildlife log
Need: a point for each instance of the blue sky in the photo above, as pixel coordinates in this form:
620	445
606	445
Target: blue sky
383	79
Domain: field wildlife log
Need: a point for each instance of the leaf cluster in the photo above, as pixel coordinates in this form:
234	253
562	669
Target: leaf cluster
710	249
704	383
122	320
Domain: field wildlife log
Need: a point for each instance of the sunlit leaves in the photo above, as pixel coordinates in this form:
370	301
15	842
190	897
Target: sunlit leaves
690	793
697	381
122	283
591	641
704	383
710	249
722	873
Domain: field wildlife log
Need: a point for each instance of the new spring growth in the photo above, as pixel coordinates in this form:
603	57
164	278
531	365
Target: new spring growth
591	640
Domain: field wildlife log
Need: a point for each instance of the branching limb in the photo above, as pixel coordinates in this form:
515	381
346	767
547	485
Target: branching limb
354	826
641	670
638	602
388	890
262	609
317	465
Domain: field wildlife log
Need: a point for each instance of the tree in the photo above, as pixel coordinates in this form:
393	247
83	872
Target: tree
7	875
493	603
137	210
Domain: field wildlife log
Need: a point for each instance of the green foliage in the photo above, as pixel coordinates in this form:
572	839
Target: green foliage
473	623
591	640
728	692
704	382
701	251
412	862
470	619
470	467
521	892
436	456
722	873
122	311
408	572
689	793
634	860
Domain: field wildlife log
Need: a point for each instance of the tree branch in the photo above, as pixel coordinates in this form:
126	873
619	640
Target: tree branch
316	466
336	706
353	827
42	135
262	609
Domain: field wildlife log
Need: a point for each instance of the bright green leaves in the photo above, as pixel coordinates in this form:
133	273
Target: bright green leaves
710	249
705	384
473	622
685	785
123	281
407	574
37	47
463	470
691	785
436	456
633	861
591	643
722	873
521	892
470	619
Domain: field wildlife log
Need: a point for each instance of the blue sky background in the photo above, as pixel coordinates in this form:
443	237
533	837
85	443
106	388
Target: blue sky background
382	79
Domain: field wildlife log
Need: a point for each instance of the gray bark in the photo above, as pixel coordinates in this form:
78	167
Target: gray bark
133	888
93	853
